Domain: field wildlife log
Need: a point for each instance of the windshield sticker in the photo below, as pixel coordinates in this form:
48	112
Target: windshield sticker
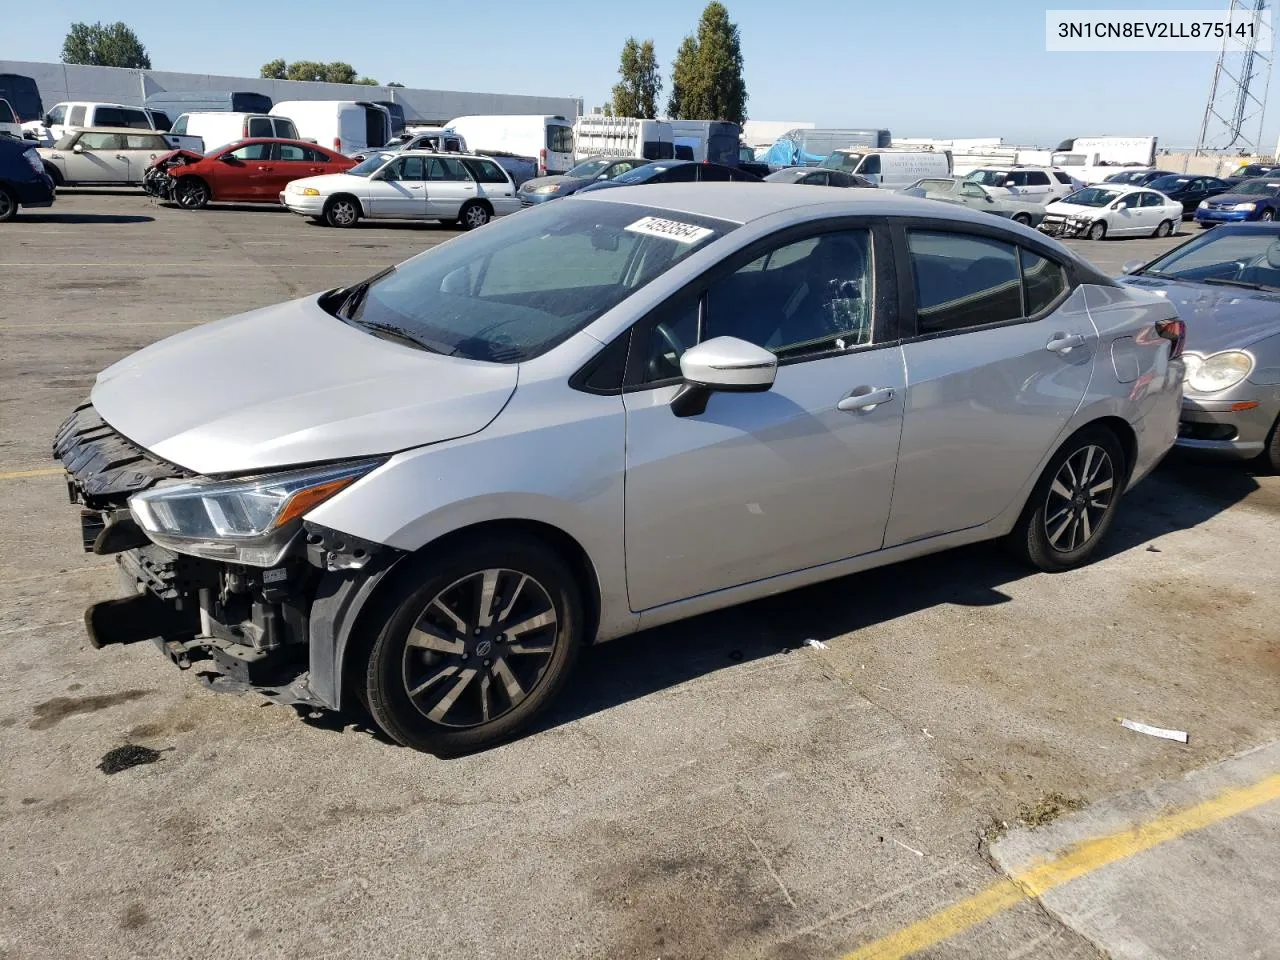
671	229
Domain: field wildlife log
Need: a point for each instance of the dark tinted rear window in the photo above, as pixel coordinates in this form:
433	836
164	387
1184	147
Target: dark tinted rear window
559	139
485	171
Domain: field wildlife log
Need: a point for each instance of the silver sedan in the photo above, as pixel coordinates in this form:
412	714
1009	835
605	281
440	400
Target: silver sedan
428	491
975	196
1226	285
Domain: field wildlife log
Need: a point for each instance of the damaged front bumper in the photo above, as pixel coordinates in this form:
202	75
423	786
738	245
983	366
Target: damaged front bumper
282	631
1065	227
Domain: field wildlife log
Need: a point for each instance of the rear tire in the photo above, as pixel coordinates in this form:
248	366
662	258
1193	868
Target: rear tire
342	211
1022	218
1271	456
473	214
1165	228
8	205
191	193
472	677
1073	504
1098	231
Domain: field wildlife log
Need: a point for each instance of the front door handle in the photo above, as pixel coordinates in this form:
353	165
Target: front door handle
1064	343
865	398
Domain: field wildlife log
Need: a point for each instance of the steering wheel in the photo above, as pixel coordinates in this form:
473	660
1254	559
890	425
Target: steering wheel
673	344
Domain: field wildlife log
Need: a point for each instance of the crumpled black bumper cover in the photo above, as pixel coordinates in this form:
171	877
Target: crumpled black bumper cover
105	467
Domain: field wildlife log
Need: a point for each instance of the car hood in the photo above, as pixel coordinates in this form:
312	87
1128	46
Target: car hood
1217	317
1070	208
559	178
1240	198
329	182
291	384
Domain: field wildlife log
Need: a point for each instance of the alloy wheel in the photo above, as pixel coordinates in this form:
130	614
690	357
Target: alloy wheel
479	648
477	216
344	213
1079	498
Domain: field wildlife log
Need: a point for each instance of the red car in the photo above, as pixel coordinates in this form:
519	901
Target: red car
254	171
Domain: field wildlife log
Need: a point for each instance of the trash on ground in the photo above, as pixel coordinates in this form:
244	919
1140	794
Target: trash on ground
130	755
925	731
918	853
816	644
1179	735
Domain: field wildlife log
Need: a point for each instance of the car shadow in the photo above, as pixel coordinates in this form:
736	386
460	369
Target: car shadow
85	218
401	225
1182	494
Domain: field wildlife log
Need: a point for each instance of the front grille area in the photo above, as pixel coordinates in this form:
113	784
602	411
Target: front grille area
104	466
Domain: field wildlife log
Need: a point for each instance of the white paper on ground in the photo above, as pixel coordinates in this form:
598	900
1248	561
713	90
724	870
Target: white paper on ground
1179	735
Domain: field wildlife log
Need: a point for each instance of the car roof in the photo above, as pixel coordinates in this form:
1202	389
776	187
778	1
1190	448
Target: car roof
737	202
432	153
129	130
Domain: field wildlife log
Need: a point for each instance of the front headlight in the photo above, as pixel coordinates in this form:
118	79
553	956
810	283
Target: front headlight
1204	203
250	521
1245	206
547	188
1218	372
310	192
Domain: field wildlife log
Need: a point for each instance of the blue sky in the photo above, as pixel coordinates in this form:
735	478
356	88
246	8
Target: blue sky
922	68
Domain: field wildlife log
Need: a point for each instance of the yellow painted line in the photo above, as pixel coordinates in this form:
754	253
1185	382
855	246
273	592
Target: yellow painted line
1076	861
43	472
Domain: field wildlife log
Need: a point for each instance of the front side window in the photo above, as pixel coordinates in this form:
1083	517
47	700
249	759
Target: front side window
1130	201
77	117
870	166
137	119
179	125
252	151
1016	178
713	172
803	298
58	115
520	286
963	281
101	141
989	178
108	117
559	138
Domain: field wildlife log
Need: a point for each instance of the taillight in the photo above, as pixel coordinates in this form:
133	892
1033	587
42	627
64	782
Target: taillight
1175	331
542	163
337	144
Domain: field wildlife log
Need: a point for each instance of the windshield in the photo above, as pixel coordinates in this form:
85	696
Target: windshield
1172	182
370	164
588	168
1258	188
1134	176
989	178
842	160
1092	197
520	286
1248	257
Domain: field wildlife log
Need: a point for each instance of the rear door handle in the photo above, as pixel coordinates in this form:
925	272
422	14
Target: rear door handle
1064	343
865	398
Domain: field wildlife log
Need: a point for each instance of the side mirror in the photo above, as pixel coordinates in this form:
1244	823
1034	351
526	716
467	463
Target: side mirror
78	148
1133	266
990	199
1119	204
728	364
226	158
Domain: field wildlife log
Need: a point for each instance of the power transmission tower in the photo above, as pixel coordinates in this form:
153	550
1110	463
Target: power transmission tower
1238	95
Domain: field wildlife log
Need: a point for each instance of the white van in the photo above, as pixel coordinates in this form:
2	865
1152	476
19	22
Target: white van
345	126
217	129
9	120
547	139
623	137
80	113
891	168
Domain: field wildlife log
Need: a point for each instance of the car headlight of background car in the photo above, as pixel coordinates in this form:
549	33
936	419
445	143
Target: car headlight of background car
1245	206
250	521
546	188
1218	372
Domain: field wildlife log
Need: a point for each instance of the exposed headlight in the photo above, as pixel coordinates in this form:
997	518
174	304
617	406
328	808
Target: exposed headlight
250	521
1218	372
1245	206
547	188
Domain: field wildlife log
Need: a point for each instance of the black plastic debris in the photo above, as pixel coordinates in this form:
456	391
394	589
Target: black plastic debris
122	758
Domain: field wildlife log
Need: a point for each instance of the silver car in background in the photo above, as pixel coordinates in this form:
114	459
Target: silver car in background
427	491
1226	286
976	196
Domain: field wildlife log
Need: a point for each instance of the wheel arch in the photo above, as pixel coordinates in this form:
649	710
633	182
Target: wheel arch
344	195
54	174
346	614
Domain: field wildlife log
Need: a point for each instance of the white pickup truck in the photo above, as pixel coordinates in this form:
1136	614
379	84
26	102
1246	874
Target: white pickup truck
1093	159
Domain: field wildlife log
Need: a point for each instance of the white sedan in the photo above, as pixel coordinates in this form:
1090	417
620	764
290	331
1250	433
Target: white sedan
1108	210
410	185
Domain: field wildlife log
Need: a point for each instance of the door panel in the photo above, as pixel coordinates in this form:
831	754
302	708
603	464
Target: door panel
760	484
401	193
984	406
449	186
292	162
102	159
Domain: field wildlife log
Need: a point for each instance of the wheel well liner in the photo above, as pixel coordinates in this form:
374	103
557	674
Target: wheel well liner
358	630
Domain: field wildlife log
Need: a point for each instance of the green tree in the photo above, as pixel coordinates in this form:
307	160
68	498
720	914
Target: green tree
684	81
105	45
636	94
722	93
275	70
339	72
394	84
368	82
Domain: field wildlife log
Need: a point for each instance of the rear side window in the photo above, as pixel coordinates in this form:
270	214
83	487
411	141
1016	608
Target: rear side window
259	127
284	129
1150	200
101	141
1062	177
485	171
685	173
1037	179
963	281
77	117
1043	281
559	139
137	119
108	117
713	172
297	153
445	168
145	141
253	151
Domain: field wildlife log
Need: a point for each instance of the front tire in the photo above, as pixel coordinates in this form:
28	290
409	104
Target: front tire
342	211
1165	228
191	193
479	641
1267	216
8	205
473	214
1074	503
1022	218
1271	456
1098	231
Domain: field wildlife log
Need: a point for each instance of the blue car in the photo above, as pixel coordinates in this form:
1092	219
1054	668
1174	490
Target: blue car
1252	200
591	170
23	182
